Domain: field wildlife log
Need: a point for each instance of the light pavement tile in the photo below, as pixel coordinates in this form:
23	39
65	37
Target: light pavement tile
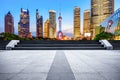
112	76
105	64
32	65
89	76
6	76
77	65
38	76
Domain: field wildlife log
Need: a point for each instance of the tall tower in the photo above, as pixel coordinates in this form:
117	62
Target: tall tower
76	22
9	23
60	34
24	24
46	29
100	10
86	28
39	25
52	24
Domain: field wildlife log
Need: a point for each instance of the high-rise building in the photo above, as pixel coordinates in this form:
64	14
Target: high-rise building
100	10
76	22
111	25
86	28
60	34
46	29
39	24
52	24
9	23
24	24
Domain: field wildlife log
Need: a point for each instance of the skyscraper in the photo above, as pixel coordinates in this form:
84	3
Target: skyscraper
46	29
24	24
60	34
9	23
86	28
52	24
39	24
76	22
100	9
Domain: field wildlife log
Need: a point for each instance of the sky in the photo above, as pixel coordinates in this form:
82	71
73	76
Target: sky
66	6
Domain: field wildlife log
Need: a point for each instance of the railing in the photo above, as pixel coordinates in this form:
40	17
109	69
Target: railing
106	44
12	44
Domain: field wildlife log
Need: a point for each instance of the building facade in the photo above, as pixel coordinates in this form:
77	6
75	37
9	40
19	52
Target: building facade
86	28
9	23
46	29
76	22
112	24
24	24
52	24
39	25
100	10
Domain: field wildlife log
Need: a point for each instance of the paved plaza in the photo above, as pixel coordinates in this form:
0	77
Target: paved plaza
60	65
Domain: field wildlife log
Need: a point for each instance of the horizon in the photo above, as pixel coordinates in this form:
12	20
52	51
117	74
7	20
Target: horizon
43	7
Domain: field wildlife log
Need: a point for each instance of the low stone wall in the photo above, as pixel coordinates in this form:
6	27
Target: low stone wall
116	44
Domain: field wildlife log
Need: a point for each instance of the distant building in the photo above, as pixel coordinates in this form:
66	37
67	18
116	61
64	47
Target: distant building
86	28
86	25
60	34
100	10
76	22
9	23
39	24
46	29
52	24
24	24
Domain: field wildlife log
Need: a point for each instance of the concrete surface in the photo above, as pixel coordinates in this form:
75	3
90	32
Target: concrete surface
60	65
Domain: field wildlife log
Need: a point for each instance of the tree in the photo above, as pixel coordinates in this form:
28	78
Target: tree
104	35
9	36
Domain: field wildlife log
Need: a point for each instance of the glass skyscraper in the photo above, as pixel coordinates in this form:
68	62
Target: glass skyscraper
100	10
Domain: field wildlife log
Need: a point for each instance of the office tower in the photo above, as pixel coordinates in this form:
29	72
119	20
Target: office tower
52	24
24	24
76	22
60	34
39	24
46	29
9	23
100	10
86	28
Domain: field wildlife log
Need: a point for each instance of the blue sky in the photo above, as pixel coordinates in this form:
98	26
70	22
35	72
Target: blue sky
67	7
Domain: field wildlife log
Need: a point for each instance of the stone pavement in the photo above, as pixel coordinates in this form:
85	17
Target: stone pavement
60	65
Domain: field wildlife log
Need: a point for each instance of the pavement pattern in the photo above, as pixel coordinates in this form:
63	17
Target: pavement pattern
60	65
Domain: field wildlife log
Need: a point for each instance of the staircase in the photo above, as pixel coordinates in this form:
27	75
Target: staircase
58	45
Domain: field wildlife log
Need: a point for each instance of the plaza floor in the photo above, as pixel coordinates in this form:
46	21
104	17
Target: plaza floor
60	65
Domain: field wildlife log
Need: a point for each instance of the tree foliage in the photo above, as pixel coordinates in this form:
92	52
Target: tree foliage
104	35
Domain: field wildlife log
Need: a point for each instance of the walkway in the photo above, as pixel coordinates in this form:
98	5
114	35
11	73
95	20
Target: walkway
60	65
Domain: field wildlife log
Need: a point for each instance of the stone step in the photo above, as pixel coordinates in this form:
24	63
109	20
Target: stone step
59	48
60	42
59	45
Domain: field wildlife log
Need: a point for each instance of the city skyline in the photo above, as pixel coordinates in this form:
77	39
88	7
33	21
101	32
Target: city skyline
44	7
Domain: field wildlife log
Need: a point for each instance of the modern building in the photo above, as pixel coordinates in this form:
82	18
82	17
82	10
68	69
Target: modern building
24	24
76	22
86	27
60	34
9	23
112	24
46	29
52	24
39	25
100	10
